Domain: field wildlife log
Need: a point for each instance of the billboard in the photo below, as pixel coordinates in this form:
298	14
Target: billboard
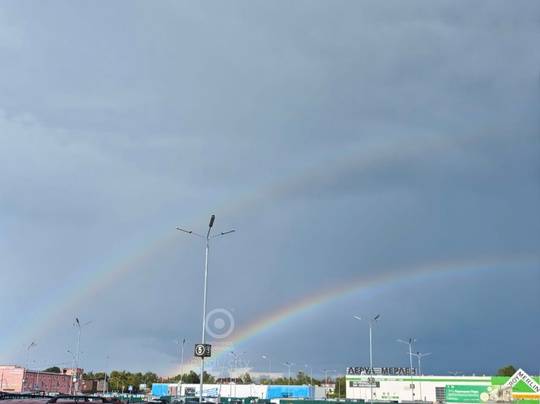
467	394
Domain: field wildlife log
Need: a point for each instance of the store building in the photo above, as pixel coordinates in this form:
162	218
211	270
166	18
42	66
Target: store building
404	385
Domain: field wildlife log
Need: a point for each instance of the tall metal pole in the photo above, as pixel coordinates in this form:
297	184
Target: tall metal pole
72	367
269	369
78	324
235	356
371	381
311	375
26	367
419	356
105	380
410	342
289	366
182	368
204	303
326	381
207	238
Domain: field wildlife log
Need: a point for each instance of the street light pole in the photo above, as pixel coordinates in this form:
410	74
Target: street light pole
370	352
410	342
419	356
105	381
326	381
78	324
235	356
72	367
26	367
181	360
269	369
207	238
289	365
311	375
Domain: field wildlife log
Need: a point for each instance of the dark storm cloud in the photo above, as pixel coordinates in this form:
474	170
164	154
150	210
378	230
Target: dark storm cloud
341	140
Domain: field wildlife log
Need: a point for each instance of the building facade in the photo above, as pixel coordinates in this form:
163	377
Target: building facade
404	385
18	379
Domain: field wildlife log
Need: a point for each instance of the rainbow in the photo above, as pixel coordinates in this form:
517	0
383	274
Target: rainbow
86	283
367	288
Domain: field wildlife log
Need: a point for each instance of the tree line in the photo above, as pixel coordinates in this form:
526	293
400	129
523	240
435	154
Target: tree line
119	381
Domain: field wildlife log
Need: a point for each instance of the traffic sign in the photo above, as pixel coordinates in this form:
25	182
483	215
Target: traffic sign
203	350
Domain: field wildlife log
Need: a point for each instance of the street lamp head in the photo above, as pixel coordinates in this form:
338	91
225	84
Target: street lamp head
212	221
377	317
184	230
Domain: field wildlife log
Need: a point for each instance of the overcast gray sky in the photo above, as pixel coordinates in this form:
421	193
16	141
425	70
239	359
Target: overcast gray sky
373	157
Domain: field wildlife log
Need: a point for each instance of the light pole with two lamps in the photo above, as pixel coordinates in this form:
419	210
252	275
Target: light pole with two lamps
410	342
311	375
207	238
289	365
419	356
371	381
326	381
235	356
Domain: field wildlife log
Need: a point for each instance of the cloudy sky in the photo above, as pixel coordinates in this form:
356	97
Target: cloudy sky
373	158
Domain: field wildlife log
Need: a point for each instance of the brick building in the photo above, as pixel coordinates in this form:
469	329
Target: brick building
18	379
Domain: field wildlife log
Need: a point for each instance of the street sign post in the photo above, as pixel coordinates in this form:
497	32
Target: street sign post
203	350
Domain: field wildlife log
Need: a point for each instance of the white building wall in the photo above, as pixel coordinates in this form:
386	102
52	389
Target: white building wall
398	388
228	390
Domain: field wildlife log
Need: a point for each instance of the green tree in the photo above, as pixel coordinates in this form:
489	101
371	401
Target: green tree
208	378
150	378
192	377
53	369
301	378
246	378
340	389
506	371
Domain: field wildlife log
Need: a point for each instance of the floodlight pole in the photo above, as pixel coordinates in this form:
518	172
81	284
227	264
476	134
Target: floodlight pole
370	351
410	342
207	238
419	356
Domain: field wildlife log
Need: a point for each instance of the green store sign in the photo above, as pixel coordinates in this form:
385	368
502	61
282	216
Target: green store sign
467	394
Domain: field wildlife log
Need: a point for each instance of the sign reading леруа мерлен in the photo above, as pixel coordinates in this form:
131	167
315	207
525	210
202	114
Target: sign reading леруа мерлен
387	371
